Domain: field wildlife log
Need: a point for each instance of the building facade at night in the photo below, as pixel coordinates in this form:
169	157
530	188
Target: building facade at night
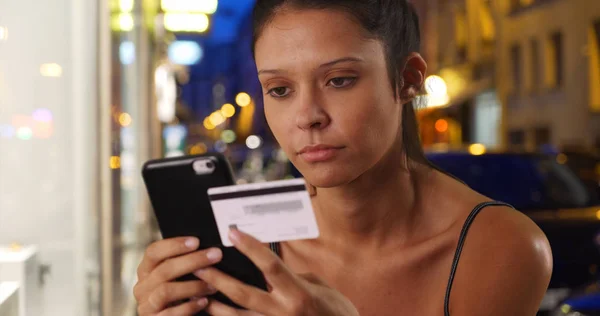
548	72
519	73
459	45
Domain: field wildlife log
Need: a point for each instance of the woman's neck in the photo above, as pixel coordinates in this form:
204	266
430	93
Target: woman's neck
381	206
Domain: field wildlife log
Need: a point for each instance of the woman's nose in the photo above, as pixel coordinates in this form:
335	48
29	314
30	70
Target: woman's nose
311	115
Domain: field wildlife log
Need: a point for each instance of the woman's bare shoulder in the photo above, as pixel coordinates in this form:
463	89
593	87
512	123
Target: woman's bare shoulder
505	265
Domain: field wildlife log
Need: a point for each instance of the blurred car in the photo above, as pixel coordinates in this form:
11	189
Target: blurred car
581	303
585	164
551	192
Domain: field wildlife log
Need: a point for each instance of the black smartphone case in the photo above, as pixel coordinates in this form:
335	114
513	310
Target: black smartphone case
180	201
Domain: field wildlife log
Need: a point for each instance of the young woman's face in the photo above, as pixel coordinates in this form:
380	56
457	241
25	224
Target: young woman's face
328	99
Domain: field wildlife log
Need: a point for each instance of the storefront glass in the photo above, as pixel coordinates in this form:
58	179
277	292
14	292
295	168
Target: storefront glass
49	150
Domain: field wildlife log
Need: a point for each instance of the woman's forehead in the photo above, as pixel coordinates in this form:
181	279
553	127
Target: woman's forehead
318	35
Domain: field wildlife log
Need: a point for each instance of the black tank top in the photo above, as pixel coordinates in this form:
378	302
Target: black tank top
461	241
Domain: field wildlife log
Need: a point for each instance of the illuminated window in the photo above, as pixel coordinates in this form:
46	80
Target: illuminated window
534	65
594	66
488	28
461	35
554	74
516	66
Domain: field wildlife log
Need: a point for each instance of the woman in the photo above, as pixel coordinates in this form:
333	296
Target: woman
339	79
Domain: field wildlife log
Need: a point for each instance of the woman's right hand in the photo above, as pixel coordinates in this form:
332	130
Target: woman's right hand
157	292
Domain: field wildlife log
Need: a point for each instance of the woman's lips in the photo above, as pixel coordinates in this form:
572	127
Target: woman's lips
318	153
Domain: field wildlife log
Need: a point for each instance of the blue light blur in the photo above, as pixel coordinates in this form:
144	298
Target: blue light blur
185	53
127	53
7	131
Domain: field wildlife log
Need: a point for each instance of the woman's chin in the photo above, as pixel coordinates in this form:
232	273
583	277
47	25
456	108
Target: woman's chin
324	179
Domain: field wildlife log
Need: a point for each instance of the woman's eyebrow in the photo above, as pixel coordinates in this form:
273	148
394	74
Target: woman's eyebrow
325	65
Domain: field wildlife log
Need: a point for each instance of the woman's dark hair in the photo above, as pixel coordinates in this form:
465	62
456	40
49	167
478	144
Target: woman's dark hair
393	22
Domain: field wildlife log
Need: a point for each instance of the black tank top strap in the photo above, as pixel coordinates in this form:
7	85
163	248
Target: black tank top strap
275	248
461	242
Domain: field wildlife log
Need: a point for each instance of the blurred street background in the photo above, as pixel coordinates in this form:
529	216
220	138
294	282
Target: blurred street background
91	89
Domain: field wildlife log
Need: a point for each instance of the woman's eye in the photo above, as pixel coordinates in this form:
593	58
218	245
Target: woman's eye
341	82
278	92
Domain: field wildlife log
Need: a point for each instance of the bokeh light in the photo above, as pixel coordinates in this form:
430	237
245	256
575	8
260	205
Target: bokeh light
115	162
24	133
216	118
228	136
125	119
228	110
441	125
253	142
243	99
477	149
208	125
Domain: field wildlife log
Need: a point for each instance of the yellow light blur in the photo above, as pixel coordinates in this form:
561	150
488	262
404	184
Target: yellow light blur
198	149
186	22
437	92
125	119
565	308
245	120
461	29
477	149
208	125
436	86
126	5
3	33
593	64
126	22
216	118
243	99
598	169
115	162
15	247
196	6
598	214
561	159
228	110
430	101
42	130
51	70
122	22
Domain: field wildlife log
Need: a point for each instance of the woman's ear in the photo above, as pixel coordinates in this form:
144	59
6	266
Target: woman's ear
413	77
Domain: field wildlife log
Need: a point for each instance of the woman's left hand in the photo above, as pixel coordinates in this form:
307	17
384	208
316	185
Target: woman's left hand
290	294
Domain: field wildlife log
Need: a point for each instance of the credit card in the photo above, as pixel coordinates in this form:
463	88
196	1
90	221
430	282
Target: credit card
270	211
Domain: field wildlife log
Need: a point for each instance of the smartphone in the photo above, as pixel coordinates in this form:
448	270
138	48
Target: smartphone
177	188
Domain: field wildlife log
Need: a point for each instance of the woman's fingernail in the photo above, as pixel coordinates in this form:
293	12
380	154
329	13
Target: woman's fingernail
199	272
202	302
211	289
234	236
191	243
214	254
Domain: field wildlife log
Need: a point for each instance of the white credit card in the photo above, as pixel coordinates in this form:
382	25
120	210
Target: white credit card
270	211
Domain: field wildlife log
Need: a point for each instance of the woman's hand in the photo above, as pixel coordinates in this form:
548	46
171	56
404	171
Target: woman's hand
156	291
289	295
